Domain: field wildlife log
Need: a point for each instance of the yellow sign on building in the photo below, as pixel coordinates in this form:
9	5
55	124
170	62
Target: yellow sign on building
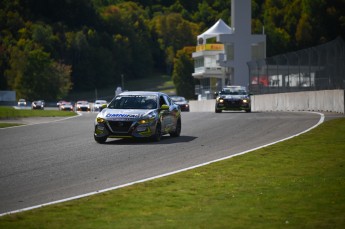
210	47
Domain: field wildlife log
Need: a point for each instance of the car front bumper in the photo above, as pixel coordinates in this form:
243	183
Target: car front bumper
124	129
232	105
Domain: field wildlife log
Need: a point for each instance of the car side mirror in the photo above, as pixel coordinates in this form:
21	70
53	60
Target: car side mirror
104	106
165	107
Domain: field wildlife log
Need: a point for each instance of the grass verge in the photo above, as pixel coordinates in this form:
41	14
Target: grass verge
298	183
10	113
4	125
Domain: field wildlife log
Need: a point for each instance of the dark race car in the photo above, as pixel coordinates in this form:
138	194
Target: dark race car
138	115
37	105
181	101
233	98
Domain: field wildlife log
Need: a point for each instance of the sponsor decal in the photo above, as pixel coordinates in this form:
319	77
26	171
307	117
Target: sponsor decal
122	115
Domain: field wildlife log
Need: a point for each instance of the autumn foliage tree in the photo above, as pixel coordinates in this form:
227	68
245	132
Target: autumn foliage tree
97	41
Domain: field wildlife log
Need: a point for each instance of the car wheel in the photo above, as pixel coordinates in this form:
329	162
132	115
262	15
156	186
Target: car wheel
100	140
158	133
177	131
218	110
248	110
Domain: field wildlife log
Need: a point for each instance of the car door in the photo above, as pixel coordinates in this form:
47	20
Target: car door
165	115
170	115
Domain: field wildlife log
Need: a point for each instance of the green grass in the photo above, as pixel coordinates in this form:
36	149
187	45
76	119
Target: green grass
299	183
10	112
4	125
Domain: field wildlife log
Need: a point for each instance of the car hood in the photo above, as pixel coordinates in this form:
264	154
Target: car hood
118	114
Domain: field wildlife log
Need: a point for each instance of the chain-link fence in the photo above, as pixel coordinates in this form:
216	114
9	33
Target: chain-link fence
318	68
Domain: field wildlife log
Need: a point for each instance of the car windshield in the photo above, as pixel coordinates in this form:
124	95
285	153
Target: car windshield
178	99
134	102
234	91
100	102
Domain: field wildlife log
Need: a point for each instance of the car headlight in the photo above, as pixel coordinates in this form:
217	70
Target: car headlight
245	101
100	120
146	120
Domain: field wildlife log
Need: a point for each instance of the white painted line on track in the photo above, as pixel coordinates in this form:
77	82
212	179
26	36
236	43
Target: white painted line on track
321	120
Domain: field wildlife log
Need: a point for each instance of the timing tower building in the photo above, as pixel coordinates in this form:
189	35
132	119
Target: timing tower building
222	52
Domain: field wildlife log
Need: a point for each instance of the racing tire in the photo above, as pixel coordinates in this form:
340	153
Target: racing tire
100	140
158	133
177	131
218	110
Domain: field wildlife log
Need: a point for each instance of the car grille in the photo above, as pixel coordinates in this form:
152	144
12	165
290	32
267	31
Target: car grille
233	103
120	126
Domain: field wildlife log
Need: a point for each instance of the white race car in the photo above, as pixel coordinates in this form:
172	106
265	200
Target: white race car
99	104
138	115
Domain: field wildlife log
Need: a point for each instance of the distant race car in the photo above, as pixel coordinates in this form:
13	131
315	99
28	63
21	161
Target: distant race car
82	106
181	101
233	98
98	105
37	105
138	115
66	106
21	102
60	102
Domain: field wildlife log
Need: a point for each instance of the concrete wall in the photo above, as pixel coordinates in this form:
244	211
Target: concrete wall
202	105
328	100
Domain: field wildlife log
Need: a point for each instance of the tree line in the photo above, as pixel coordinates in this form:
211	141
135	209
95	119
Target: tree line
50	47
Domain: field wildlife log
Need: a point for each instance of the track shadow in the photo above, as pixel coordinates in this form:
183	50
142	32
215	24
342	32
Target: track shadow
164	140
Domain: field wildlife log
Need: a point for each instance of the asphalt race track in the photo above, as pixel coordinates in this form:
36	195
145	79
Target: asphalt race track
52	161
